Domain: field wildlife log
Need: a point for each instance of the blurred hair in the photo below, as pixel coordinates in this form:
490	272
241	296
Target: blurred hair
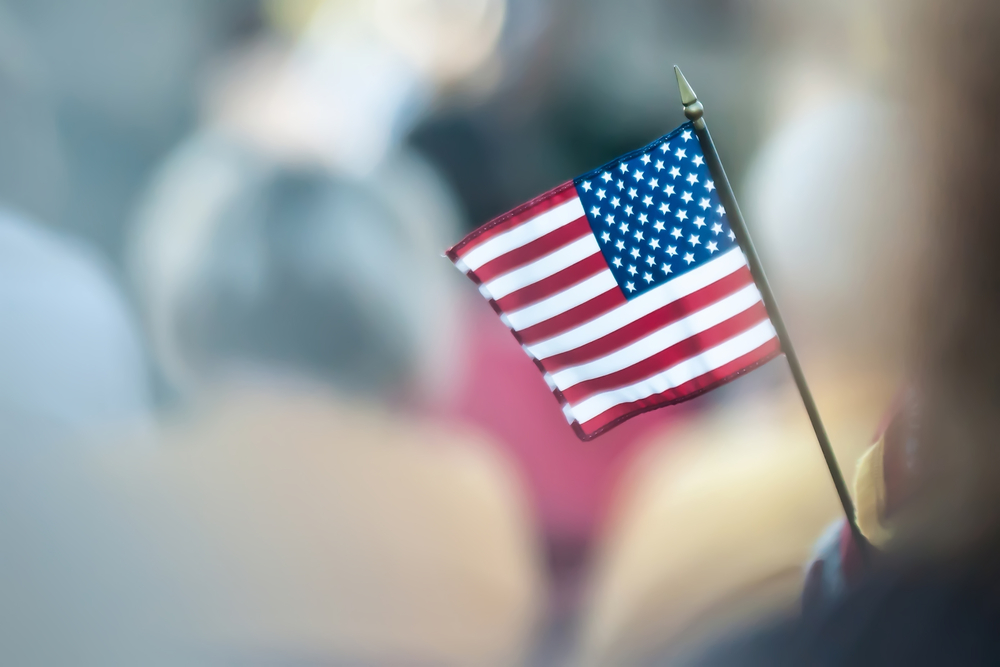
249	263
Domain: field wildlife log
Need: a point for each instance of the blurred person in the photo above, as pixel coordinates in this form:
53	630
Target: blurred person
72	358
719	524
299	305
931	597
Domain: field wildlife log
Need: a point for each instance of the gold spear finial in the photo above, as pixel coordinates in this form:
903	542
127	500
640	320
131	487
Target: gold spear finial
692	107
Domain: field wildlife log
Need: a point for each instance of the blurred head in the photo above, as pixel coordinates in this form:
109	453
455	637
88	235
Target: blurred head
249	265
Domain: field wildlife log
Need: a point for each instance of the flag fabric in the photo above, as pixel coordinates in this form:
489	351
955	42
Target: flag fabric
625	286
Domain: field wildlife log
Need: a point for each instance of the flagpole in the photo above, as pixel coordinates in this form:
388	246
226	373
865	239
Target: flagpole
694	110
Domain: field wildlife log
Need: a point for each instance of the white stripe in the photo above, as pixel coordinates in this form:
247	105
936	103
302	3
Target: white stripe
544	267
641	306
524	233
687	370
570	297
656	342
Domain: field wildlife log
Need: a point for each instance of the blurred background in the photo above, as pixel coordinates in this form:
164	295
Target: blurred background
251	415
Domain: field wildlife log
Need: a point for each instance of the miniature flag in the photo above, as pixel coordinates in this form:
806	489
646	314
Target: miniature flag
625	286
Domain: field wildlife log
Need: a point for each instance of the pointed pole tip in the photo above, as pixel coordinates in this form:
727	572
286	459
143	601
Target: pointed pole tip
688	95
692	107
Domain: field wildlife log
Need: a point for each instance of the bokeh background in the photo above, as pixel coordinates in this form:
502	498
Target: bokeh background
249	411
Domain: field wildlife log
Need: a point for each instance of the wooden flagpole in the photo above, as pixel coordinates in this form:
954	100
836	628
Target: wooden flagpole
694	110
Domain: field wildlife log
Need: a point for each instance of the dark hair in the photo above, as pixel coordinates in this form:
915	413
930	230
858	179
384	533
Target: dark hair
280	285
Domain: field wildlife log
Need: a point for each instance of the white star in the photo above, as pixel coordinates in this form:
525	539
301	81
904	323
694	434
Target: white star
596	212
654	182
698	160
606	176
712	247
659	165
654	243
650	260
686	135
628	211
692	178
647	200
732	235
617	262
632	193
634	252
710	185
623	227
664	147
676	232
716	228
601	195
637	175
586	186
672	250
639	236
643	218
621	186
630	287
620	245
688	257
721	210
675	172
682	215
666	268
623	167
658	226
615	203
632	270
669	191
664	207
647	277
687	197
645	159
680	154
605	237
699	222
694	240
705	204
610	219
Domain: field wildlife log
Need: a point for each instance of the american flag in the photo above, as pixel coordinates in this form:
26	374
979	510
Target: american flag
626	286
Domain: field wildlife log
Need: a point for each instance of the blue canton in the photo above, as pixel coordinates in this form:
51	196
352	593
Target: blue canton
655	212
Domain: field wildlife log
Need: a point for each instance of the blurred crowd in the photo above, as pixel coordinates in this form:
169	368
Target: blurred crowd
250	415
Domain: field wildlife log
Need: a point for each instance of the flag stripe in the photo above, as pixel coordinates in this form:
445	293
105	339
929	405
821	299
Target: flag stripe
569	299
687	370
534	250
652	322
523	234
683	391
538	329
641	306
544	267
681	350
659	340
555	284
519	215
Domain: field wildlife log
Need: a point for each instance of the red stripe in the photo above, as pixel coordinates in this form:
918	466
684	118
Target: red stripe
573	317
553	284
656	320
675	354
511	219
536	249
690	389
